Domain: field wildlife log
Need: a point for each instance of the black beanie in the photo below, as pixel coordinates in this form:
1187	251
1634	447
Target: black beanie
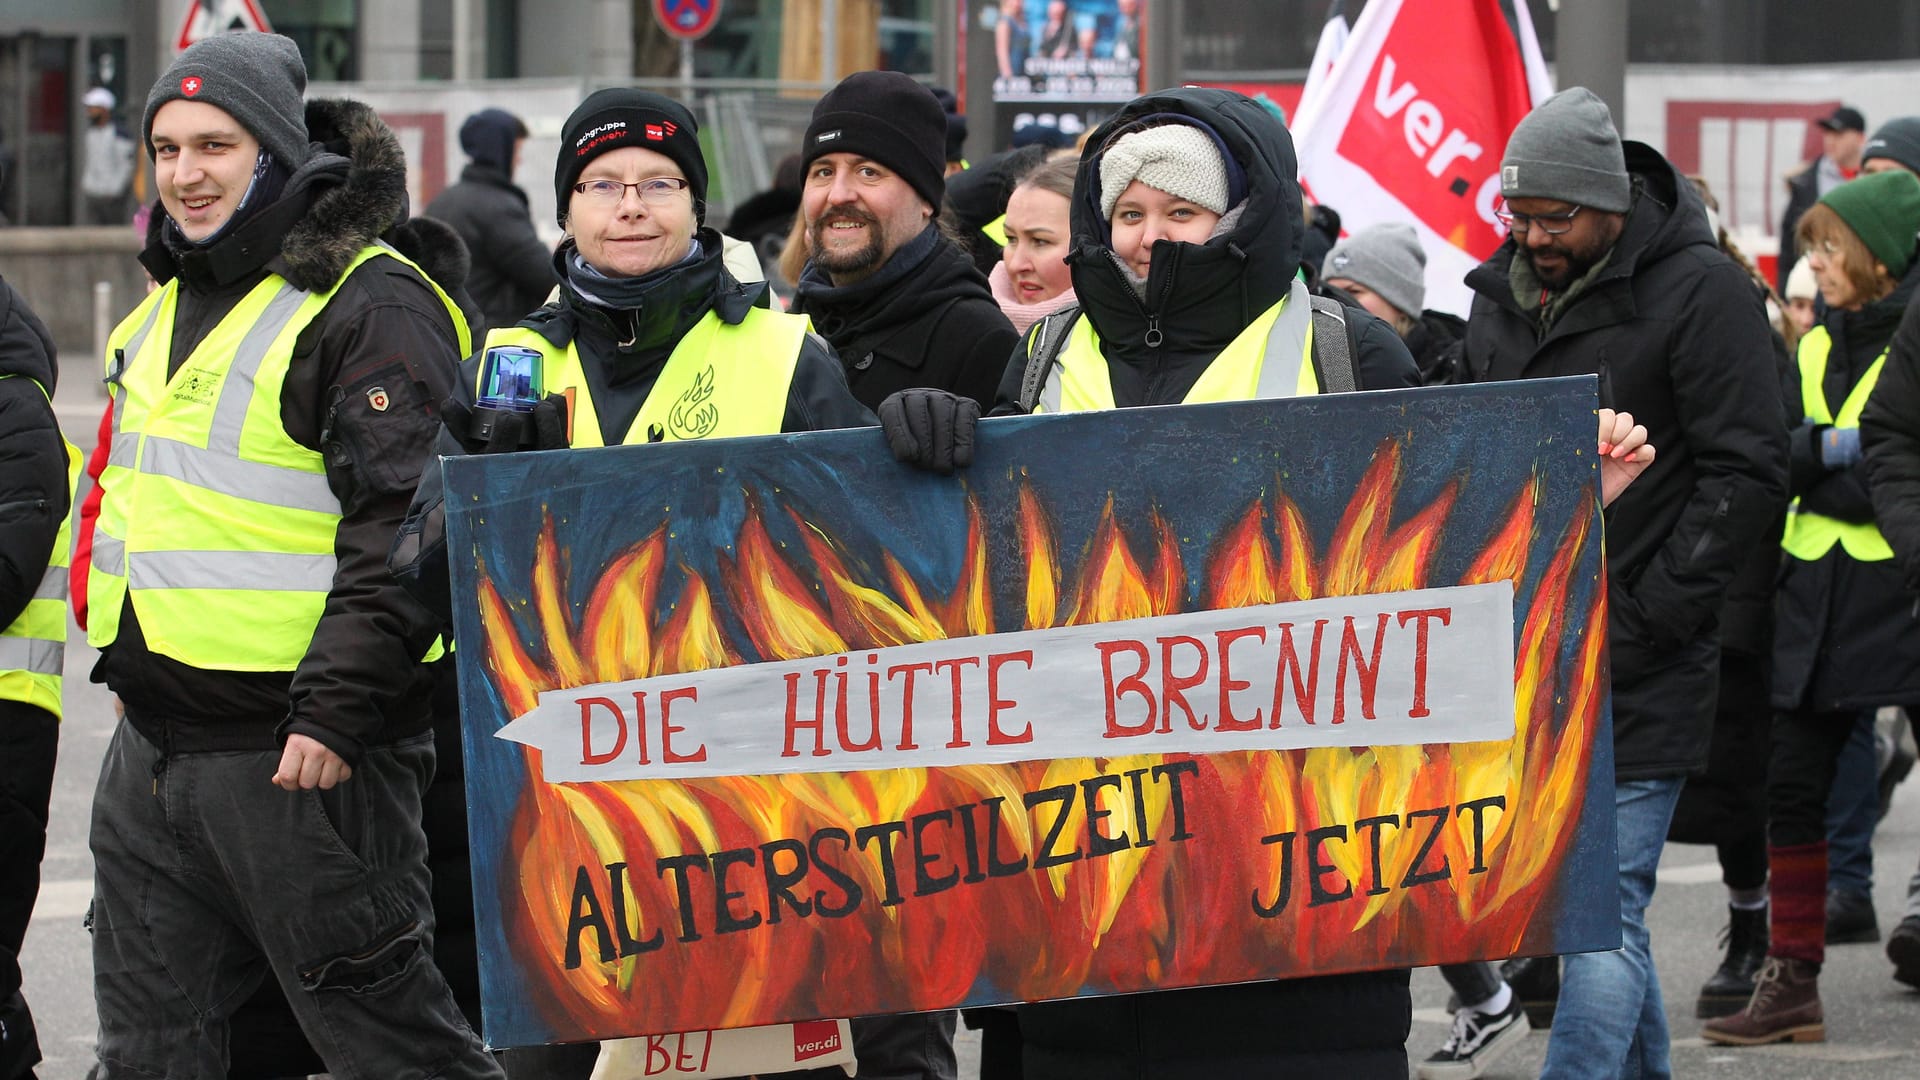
1898	141
884	116
616	117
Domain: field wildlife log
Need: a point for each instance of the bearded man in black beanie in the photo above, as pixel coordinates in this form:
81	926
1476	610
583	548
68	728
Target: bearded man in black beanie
902	305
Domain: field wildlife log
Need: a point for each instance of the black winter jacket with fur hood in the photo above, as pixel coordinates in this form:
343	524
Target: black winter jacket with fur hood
384	330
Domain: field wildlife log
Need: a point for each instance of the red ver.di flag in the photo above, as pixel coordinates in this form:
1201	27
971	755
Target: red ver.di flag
1413	121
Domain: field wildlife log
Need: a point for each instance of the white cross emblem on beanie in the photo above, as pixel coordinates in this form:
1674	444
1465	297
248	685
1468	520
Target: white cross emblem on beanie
190	85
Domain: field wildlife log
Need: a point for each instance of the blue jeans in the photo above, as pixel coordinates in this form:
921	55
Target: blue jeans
1853	809
1611	1022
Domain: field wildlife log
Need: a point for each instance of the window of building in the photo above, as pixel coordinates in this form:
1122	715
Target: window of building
326	32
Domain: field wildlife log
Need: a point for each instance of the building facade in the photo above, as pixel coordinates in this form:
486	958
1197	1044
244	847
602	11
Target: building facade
781	53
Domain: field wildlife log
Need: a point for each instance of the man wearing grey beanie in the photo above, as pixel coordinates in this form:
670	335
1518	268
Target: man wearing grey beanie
258	812
1610	270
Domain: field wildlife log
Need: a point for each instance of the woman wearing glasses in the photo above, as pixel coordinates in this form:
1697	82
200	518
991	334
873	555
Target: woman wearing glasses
651	338
654	337
1846	639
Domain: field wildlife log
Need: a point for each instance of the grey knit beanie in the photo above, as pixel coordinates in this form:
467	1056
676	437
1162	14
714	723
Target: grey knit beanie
1387	259
1568	150
1178	159
258	79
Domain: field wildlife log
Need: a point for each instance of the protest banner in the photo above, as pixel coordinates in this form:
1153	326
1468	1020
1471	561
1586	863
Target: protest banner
772	730
1411	122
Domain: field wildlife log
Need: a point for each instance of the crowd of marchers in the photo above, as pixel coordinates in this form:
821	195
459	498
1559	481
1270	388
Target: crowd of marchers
259	555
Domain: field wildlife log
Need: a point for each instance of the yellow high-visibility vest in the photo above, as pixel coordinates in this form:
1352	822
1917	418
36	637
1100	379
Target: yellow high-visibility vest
34	646
722	380
1810	536
1271	358
213	520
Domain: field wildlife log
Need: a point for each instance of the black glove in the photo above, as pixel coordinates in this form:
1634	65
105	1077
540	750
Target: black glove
930	428
502	431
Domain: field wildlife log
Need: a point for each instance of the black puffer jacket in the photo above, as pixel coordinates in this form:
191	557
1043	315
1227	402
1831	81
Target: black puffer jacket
1890	435
1676	332
1434	341
383	330
622	354
1349	1026
1845	634
34	496
512	270
1201	296
926	318
1726	802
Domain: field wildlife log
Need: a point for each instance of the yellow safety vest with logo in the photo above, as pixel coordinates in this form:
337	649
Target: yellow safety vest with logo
33	646
1271	358
1810	536
213	520
722	380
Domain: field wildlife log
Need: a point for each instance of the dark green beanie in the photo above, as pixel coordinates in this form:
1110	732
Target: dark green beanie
1883	209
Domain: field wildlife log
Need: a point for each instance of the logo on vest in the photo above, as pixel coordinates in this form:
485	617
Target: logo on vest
694	415
377	397
197	386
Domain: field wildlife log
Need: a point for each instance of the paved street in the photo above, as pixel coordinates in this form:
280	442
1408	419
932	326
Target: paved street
1873	1023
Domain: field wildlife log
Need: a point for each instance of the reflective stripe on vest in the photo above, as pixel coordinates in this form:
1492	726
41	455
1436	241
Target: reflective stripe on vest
723	380
217	524
1271	358
33	648
1810	536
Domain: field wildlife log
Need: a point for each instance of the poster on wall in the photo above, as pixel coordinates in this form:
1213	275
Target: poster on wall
1067	50
772	730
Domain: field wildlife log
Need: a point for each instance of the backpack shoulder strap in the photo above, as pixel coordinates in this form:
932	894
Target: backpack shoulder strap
1334	351
1048	337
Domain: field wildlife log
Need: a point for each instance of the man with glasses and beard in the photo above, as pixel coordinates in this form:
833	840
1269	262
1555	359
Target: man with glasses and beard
1612	270
902	305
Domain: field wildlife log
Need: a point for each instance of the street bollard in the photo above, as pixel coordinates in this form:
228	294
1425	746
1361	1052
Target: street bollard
102	322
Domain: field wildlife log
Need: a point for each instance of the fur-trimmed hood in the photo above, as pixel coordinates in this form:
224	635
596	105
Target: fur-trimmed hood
359	148
349	193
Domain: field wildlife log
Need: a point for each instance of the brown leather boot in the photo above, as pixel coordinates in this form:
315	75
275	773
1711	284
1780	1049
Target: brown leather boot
1785	1007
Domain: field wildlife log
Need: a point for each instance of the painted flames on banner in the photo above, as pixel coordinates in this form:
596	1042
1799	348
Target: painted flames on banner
1093	925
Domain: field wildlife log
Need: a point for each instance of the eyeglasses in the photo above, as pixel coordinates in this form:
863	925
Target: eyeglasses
1551	224
653	189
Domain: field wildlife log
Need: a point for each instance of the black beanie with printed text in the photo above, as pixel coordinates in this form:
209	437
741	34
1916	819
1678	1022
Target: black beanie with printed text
619	117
